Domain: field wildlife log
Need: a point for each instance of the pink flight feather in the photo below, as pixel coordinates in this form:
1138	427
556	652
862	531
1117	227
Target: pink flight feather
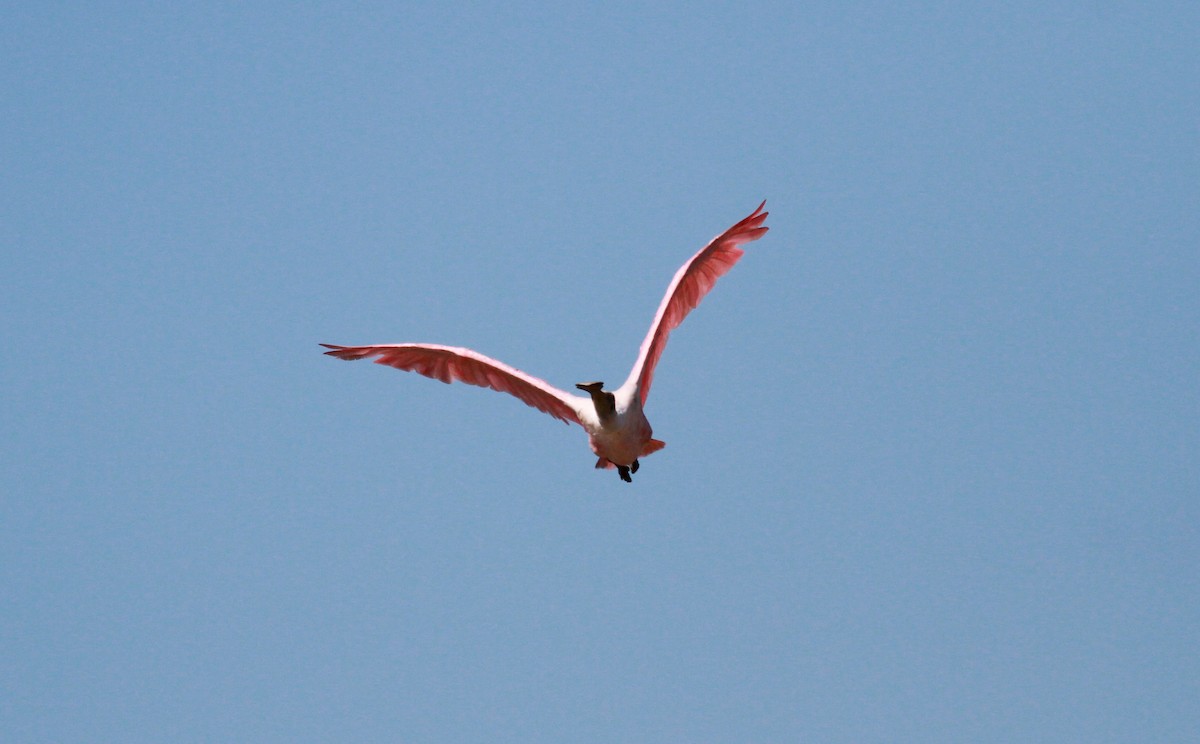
693	280
450	363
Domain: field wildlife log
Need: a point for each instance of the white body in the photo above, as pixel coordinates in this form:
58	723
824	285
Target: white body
621	439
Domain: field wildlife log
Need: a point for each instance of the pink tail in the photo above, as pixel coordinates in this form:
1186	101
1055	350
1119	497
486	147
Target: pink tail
652	446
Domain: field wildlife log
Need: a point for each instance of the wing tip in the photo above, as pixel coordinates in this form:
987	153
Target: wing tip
753	224
348	353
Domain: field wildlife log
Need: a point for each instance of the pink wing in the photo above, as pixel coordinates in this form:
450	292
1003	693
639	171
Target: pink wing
449	363
693	280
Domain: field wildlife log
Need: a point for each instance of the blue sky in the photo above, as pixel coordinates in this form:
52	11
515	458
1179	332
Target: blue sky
931	468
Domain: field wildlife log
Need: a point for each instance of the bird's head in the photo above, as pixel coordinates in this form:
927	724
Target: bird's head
592	388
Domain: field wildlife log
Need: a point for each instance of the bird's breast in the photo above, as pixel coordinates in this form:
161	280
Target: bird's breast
621	437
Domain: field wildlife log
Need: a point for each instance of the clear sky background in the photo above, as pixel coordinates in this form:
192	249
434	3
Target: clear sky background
932	447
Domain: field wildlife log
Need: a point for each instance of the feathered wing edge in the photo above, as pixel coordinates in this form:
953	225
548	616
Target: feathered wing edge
449	364
693	280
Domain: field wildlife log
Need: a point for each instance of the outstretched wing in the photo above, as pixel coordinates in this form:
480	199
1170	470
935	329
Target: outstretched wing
693	280
450	363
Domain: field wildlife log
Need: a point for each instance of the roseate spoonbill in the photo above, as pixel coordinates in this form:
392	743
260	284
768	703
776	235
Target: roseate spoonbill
617	430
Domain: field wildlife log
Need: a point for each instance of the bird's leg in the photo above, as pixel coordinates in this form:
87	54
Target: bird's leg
633	468
623	471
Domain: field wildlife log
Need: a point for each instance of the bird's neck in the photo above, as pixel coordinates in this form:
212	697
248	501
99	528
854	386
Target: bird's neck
605	403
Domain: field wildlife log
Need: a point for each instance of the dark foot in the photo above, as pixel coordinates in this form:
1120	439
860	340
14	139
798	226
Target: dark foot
633	468
623	471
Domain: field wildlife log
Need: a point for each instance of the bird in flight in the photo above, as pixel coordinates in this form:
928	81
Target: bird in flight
617	429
